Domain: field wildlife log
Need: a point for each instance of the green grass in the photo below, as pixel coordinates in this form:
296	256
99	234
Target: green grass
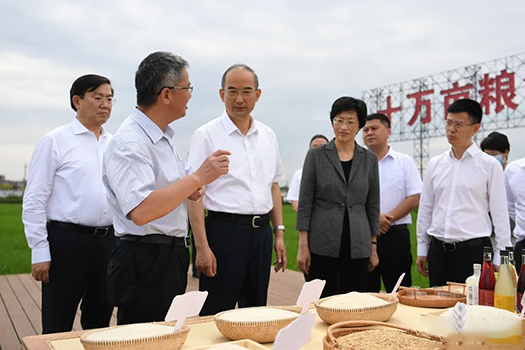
15	256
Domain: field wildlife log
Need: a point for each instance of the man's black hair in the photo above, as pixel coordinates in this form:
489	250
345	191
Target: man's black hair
471	107
495	141
381	117
86	83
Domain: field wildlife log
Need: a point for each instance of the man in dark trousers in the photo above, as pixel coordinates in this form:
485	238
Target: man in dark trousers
66	214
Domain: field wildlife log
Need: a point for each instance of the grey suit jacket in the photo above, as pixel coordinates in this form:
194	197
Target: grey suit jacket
325	194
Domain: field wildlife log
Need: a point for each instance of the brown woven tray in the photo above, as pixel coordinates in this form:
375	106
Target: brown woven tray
258	331
171	341
432	297
375	313
344	328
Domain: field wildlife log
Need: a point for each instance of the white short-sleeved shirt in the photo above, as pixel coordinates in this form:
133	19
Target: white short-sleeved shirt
64	184
255	164
399	179
457	197
295	187
140	159
515	185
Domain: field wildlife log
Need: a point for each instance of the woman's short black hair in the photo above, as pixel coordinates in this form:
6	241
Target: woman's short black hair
347	104
86	83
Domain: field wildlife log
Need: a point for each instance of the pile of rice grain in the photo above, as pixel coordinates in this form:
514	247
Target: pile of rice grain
259	314
390	339
131	332
489	321
353	300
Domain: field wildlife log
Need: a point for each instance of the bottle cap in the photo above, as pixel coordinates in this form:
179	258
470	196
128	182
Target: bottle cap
488	250
504	253
477	266
509	248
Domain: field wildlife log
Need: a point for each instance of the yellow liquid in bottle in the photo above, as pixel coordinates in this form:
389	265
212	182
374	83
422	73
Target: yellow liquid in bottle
504	297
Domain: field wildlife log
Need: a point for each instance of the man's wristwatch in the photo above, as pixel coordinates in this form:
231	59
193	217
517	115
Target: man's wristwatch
278	227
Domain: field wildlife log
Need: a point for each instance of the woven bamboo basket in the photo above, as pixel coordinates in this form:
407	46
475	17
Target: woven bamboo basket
430	297
374	313
341	329
259	331
172	341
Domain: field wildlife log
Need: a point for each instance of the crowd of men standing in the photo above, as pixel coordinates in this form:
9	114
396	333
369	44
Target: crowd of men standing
106	217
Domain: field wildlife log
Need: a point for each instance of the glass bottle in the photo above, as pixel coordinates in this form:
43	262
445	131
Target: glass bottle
521	282
473	286
504	294
487	281
512	266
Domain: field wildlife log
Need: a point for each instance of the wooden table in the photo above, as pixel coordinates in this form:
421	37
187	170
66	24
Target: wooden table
203	331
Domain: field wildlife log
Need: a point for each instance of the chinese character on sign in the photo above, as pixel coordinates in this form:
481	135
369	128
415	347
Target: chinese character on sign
389	110
455	93
420	102
501	94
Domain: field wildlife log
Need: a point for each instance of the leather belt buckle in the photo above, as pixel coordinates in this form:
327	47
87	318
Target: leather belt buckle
449	247
101	231
253	221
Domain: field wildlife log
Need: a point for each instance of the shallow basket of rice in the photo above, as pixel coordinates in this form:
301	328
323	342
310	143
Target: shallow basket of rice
356	307
138	336
372	335
260	324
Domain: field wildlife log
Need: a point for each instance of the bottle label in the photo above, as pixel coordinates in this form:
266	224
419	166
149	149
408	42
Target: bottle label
486	297
505	302
472	295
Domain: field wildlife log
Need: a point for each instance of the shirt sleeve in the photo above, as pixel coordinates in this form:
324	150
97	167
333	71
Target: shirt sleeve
413	184
295	185
424	217
39	186
199	150
130	174
498	209
279	168
511	205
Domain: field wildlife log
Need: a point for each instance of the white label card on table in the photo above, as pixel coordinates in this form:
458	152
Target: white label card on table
296	334
310	293
396	287
459	312
184	306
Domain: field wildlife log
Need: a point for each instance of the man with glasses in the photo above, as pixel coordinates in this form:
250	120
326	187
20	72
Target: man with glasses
66	214
460	188
234	245
148	184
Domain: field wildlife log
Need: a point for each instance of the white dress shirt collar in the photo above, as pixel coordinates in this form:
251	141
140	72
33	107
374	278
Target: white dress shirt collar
150	128
230	126
79	128
473	150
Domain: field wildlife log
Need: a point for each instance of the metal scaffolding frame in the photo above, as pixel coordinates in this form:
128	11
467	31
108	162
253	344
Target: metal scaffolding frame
478	81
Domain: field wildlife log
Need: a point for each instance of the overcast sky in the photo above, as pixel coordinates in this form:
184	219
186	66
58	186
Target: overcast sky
306	53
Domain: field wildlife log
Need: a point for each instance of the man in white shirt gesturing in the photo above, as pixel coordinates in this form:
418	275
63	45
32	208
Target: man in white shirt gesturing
461	187
234	245
66	214
400	187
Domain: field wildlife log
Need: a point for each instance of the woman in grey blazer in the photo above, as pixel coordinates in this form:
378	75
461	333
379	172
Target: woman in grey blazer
338	216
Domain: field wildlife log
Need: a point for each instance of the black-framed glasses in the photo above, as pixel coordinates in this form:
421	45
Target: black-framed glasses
189	88
457	125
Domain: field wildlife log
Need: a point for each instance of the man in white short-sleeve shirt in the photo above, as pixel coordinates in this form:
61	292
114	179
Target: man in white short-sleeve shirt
400	186
295	185
234	244
148	184
66	214
461	187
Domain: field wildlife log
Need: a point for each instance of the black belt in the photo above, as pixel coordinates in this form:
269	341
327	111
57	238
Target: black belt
254	221
398	227
158	239
95	231
451	247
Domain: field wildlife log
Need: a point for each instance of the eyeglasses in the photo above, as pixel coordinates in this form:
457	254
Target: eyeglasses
244	93
99	100
189	88
339	122
457	125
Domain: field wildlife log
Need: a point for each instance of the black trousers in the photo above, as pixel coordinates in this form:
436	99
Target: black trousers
143	279
243	258
79	263
517	254
395	258
454	266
